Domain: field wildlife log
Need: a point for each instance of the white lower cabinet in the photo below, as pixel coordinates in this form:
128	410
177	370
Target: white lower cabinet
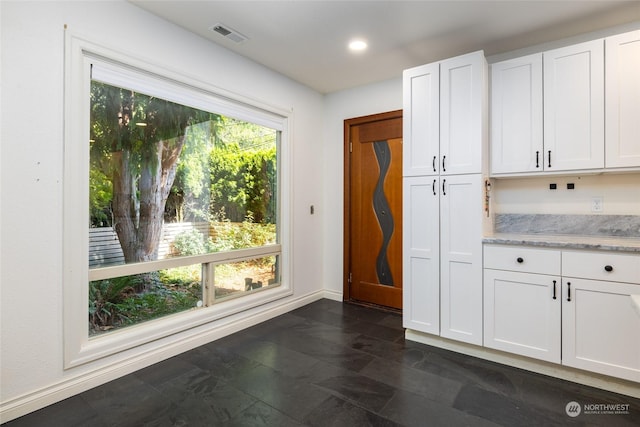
600	322
461	258
601	328
522	314
421	254
442	225
522	301
564	307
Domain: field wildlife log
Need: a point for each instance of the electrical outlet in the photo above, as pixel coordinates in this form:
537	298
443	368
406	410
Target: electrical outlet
596	204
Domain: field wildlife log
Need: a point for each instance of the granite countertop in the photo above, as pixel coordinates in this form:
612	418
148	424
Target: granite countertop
597	232
608	243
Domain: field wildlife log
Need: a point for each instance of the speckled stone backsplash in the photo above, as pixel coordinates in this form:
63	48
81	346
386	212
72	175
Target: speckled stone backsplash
584	225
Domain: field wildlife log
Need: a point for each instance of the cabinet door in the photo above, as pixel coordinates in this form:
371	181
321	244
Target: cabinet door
574	107
522	314
623	100
601	327
421	103
516	115
461	258
462	113
421	259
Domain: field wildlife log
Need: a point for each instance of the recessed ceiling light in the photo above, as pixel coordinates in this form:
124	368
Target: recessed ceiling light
357	45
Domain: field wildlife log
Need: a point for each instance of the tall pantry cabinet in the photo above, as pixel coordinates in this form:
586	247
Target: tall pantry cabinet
444	150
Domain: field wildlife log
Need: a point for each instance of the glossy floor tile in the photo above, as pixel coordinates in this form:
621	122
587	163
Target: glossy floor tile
330	364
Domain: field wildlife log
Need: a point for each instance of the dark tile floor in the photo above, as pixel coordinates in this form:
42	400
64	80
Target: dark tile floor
330	364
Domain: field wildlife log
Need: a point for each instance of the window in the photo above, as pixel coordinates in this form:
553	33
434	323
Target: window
183	196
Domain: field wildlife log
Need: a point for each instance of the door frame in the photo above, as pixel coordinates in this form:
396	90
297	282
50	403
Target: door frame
348	123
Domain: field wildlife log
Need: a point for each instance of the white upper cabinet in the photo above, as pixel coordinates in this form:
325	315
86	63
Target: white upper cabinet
516	115
574	107
462	113
622	100
548	111
421	121
444	131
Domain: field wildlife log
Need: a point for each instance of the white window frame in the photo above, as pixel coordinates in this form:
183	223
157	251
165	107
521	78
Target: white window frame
126	71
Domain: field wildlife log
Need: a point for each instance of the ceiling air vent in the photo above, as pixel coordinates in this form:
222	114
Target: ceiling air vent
229	33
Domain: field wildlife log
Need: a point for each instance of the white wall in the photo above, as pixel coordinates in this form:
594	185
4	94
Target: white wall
32	69
339	106
620	195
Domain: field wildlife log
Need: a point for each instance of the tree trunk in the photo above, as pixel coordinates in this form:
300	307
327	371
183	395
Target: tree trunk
139	200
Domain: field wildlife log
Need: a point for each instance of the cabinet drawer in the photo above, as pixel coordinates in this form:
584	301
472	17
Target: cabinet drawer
523	259
614	267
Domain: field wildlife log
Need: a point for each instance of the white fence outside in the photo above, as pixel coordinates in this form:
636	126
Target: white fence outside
105	250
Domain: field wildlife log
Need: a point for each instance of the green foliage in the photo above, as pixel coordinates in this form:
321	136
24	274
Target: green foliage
243	182
246	234
114	303
134	137
224	163
104	299
100	195
228	236
190	243
159	302
189	197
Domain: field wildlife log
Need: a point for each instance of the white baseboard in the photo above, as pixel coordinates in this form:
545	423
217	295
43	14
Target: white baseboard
70	386
333	295
603	382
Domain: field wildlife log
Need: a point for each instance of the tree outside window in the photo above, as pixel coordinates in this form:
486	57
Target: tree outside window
168	180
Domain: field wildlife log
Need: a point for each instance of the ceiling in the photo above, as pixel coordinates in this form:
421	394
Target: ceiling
307	40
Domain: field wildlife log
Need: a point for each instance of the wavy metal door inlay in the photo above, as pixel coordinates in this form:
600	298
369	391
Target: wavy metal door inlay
383	212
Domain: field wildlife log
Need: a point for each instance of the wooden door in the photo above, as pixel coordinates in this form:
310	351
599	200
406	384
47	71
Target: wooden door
373	209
